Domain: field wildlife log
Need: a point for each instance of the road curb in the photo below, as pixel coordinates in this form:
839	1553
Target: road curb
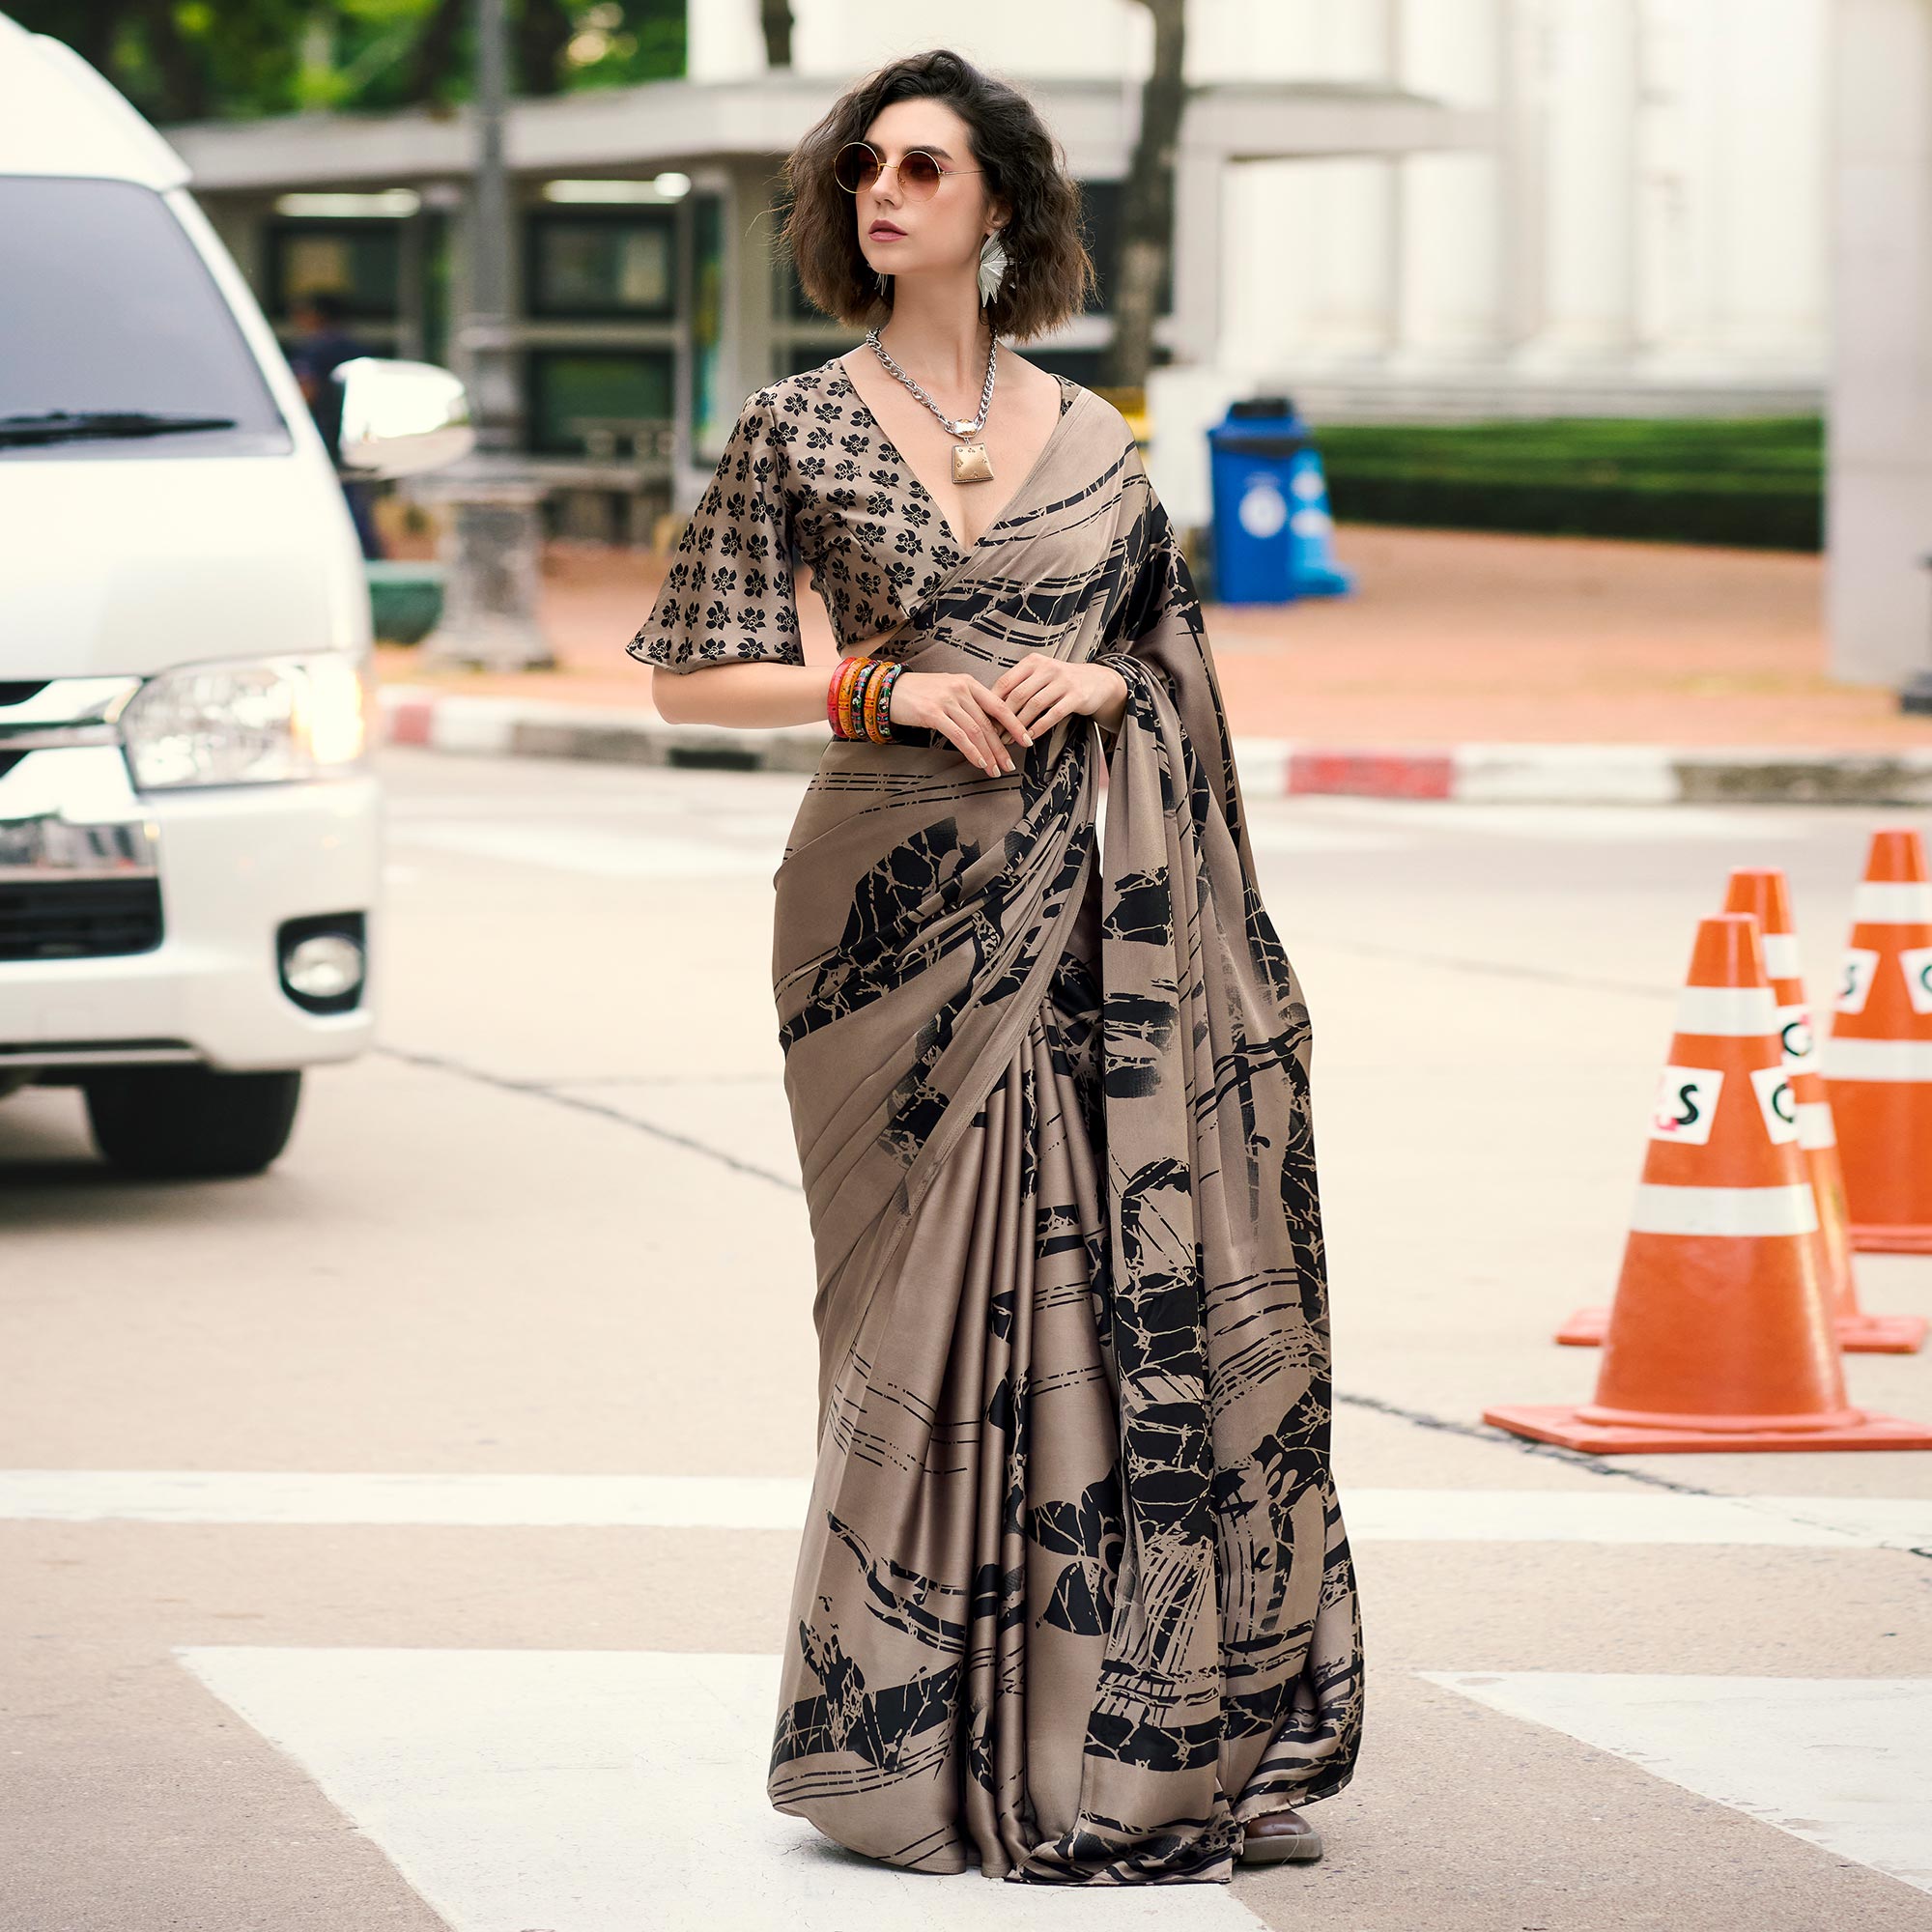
1514	774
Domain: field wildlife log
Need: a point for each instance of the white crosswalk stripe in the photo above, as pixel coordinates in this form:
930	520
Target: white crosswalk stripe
605	1791
680	825
511	1501
1841	1762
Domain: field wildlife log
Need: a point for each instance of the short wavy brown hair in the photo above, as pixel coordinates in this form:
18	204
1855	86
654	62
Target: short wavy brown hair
1049	272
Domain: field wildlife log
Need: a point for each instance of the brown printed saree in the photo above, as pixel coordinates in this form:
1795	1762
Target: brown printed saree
1074	1597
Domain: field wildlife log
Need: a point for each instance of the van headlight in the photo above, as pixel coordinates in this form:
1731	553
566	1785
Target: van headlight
249	721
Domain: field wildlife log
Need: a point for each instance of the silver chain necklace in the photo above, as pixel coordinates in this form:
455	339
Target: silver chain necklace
970	461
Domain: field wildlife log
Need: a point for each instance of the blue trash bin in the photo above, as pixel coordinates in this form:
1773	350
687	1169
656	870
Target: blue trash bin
1272	531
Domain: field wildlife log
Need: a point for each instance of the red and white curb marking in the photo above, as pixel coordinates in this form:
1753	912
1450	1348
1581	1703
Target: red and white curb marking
1489	774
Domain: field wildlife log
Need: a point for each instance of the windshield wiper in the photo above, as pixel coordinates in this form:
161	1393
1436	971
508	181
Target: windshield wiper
69	425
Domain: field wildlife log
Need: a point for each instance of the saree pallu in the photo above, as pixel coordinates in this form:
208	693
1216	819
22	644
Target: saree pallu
1074	1598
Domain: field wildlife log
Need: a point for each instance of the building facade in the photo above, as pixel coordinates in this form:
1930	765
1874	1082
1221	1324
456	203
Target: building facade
1396	209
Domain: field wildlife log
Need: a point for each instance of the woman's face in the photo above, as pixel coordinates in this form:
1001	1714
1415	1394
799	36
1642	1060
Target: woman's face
901	234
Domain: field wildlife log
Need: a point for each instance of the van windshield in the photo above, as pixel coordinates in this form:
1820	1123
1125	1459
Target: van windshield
114	338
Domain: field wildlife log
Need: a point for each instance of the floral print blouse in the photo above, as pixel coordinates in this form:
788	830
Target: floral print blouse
808	476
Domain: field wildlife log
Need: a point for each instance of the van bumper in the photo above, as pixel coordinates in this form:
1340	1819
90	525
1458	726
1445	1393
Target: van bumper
234	862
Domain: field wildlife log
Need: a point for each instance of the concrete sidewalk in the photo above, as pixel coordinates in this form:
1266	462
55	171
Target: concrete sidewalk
1466	667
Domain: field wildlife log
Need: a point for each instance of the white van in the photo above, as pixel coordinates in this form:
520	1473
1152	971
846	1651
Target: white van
190	828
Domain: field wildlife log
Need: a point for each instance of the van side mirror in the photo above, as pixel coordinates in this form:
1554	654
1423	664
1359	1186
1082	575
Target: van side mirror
400	417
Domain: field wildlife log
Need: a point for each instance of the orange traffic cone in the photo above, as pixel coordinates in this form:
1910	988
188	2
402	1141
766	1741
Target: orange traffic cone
1766	893
1763	892
1878	1059
1720	1330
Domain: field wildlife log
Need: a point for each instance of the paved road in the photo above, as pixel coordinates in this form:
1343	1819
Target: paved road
385	1544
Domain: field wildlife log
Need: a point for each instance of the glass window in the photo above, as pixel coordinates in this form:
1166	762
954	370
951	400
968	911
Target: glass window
603	263
108	309
1101	230
358	261
793	303
794	357
571	389
437	266
708	424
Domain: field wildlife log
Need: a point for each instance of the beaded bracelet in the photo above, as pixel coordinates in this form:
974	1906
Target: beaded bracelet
891	677
855	705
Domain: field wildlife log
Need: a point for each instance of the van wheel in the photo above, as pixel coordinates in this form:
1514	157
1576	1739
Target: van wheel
190	1120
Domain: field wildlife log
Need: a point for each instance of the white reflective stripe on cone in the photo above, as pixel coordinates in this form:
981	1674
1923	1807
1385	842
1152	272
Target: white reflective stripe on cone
1735	1013
1660	1209
1892	903
1878	1060
1815	1127
1780	955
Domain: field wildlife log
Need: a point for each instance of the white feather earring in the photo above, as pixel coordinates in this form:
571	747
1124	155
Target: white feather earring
992	267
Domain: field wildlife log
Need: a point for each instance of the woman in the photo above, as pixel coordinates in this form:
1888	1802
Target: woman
1074	1596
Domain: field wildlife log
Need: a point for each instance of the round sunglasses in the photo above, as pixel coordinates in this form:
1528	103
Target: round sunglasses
858	165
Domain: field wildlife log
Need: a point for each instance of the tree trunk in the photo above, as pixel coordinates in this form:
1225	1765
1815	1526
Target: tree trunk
87	26
543	30
774	17
1147	203
433	59
185	86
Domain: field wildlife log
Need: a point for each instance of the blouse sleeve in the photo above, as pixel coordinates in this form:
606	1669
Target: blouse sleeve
728	595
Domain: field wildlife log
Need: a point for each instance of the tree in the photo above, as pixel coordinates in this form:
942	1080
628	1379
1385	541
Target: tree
191	59
1147	203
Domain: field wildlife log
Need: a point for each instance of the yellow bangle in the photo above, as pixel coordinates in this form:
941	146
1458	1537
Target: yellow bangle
873	691
861	680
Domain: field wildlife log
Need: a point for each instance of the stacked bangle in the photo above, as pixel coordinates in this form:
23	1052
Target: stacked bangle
858	699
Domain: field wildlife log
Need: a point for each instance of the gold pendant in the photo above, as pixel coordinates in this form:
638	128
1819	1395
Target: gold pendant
971	464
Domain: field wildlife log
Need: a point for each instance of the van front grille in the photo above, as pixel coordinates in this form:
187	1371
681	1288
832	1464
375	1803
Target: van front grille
83	919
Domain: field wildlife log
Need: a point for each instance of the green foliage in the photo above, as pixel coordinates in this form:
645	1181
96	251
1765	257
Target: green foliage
195	60
1755	482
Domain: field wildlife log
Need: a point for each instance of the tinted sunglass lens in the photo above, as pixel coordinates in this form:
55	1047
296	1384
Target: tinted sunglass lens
856	167
920	172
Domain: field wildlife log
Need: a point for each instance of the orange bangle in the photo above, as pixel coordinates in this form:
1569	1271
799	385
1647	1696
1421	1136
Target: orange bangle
848	669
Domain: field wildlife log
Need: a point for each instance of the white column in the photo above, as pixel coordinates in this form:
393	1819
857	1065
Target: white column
1661	188
1399	292
1521	171
1197	266
1586	138
1879	504
723	40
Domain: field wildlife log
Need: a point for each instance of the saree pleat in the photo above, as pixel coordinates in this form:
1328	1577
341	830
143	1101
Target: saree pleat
1074	1598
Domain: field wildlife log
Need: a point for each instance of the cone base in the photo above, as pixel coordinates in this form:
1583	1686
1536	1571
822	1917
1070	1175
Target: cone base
1892	1237
1564	1425
1860	1334
1882	1334
1585	1329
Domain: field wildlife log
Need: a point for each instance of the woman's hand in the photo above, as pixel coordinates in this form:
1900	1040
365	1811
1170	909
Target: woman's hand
960	708
1043	690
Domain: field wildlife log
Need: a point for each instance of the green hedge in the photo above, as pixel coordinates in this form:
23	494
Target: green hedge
1757	482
